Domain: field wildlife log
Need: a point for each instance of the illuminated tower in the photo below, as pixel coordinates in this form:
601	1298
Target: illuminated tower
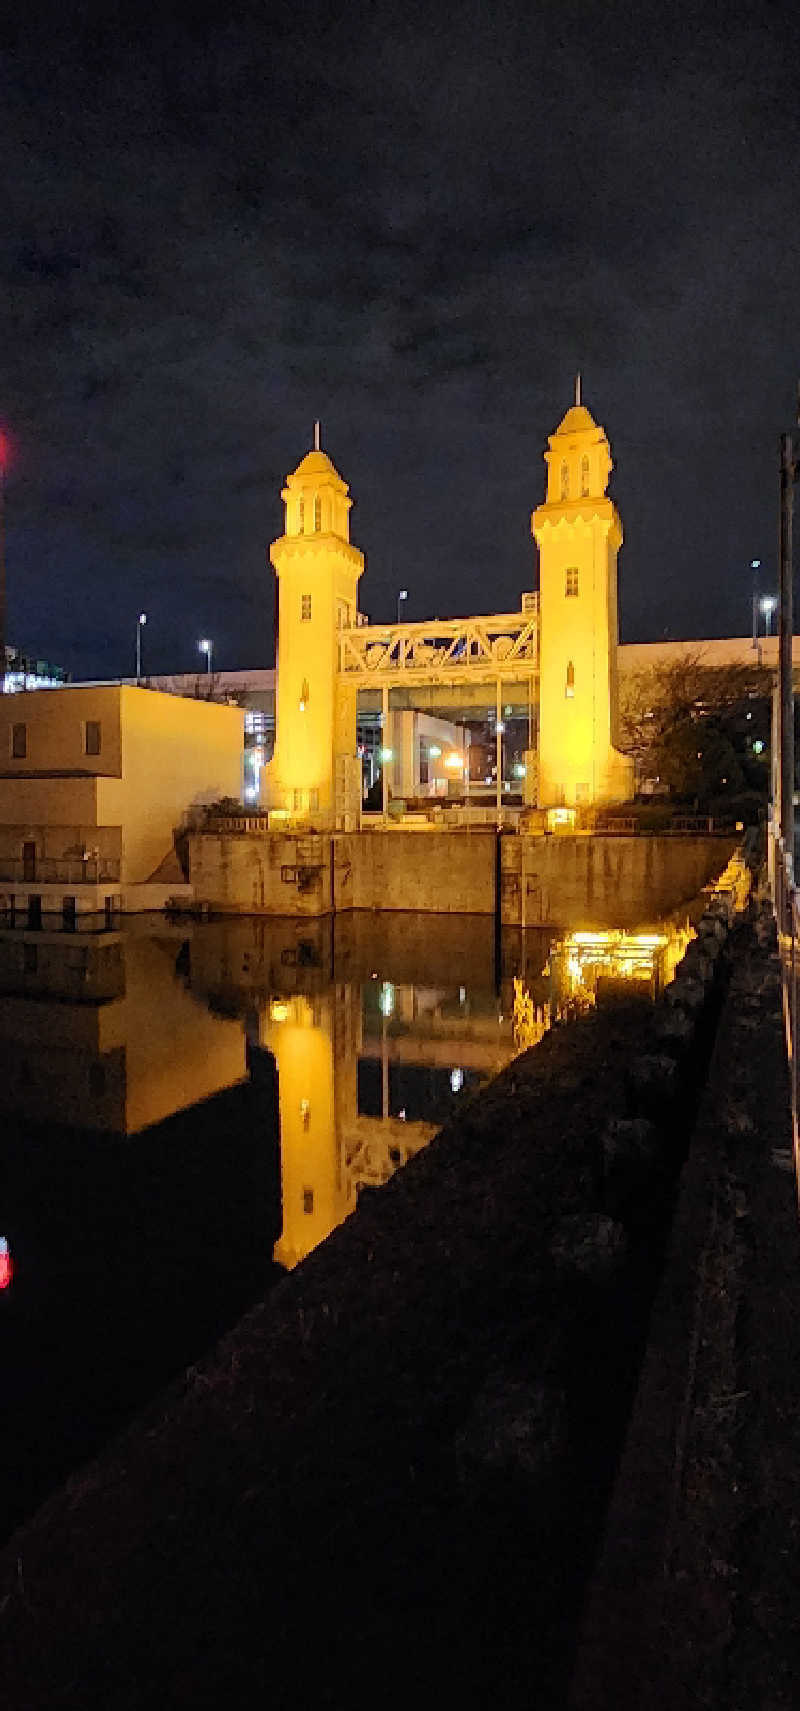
578	532
314	775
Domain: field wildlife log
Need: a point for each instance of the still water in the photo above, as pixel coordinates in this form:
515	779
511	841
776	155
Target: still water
188	1109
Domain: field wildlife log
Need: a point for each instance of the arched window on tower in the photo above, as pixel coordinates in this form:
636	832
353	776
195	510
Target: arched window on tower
571	582
317	513
569	686
565	480
584	477
301	515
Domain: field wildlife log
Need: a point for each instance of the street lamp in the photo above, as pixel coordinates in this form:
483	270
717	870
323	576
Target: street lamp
755	566
140	623
767	606
403	595
206	647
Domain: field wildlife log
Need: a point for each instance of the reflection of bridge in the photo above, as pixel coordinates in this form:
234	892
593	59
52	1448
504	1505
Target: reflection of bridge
367	1064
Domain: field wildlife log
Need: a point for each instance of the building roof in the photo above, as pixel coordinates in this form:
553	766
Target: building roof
314	466
577	420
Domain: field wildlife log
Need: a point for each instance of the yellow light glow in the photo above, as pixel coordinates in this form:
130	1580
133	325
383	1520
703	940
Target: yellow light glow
453	761
278	1011
560	817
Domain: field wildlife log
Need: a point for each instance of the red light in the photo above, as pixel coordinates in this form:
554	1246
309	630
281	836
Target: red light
6	1268
4	451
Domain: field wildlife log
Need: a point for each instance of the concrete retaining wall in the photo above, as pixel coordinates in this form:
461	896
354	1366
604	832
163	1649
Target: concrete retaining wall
446	873
612	881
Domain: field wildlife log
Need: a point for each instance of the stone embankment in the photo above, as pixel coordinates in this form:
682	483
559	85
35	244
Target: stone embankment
396	1470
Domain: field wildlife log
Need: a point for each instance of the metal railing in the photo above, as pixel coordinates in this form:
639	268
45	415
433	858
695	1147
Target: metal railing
786	901
59	870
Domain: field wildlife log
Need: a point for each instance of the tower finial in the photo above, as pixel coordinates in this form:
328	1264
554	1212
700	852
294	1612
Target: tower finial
577	389
316	436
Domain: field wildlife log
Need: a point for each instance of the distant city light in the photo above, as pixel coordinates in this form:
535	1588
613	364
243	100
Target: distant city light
520	770
384	754
454	760
6	1264
758	746
456	1080
386	998
278	1011
434	751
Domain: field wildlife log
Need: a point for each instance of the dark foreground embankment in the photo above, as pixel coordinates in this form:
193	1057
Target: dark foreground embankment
394	1472
695	1601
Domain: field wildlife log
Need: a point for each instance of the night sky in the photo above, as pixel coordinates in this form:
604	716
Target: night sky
416	223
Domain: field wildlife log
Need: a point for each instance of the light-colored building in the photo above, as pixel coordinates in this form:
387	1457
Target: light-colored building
95	782
554	661
579	533
315	770
712	655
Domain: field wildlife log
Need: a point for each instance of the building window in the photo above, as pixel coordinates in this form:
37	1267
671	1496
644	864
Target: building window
584	477
565	480
301	514
317	513
571	582
569	686
19	741
308	1200
297	801
305	608
313	801
91	737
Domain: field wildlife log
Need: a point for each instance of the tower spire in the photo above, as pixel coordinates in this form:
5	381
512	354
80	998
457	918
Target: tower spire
316	437
577	389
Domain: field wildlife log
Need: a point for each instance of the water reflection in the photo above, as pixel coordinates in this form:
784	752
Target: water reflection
100	1032
182	1101
376	1028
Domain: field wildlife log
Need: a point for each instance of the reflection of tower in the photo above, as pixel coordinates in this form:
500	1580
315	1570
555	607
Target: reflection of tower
300	1034
314	774
578	532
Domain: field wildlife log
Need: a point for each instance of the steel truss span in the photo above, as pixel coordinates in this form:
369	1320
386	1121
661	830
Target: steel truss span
442	650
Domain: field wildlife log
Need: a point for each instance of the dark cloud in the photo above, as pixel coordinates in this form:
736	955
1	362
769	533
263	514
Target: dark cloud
417	226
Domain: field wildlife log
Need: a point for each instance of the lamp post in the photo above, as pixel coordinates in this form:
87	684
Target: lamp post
403	595
140	623
3	466
767	606
206	647
755	566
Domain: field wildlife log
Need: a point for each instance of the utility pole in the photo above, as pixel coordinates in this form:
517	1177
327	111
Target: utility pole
2	563
788	473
